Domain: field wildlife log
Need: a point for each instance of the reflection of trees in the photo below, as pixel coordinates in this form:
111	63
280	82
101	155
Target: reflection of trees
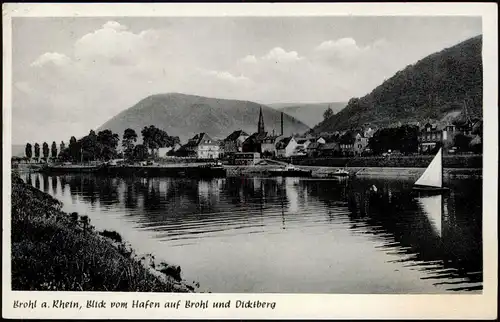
28	179
396	217
37	181
45	179
54	185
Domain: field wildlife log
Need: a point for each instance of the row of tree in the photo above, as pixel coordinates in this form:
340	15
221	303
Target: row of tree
45	150
103	146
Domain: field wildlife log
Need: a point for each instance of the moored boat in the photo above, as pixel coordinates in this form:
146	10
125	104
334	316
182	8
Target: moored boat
339	173
290	171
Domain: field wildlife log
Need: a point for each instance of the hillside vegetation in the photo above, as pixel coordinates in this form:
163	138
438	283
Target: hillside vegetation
433	89
186	115
309	113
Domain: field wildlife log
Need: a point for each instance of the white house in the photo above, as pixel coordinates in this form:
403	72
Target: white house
286	147
321	140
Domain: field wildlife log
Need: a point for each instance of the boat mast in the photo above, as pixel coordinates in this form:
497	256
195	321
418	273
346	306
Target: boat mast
442	164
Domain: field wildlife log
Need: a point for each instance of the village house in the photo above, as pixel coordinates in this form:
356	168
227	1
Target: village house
303	142
286	147
234	142
430	136
329	149
201	146
360	144
261	141
368	133
321	140
312	149
346	144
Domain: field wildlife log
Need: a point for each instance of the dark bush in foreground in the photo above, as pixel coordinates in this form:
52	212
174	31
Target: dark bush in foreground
111	235
52	250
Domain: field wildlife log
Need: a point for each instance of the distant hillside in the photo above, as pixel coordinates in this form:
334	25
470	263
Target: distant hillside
185	115
309	113
18	150
433	89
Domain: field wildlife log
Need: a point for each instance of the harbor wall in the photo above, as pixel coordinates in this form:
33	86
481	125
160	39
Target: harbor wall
384	172
400	161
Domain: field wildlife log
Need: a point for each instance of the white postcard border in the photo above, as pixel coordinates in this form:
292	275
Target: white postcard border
333	306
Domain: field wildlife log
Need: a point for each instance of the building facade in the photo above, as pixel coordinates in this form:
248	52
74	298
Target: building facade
233	143
429	138
286	147
201	146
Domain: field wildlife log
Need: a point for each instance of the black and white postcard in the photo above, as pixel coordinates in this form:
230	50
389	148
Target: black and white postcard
250	160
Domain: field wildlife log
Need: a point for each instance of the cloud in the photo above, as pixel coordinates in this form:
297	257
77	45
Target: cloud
114	25
279	55
343	50
250	59
226	76
51	58
114	44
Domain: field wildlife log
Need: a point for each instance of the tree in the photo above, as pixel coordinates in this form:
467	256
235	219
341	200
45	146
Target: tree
53	149
89	146
154	138
107	142
28	151
128	142
46	151
62	146
328	113
462	142
37	151
74	149
408	139
140	152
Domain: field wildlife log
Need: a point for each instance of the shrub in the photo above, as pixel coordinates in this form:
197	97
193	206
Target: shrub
111	235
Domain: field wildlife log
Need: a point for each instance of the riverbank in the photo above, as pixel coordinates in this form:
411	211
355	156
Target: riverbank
383	172
53	250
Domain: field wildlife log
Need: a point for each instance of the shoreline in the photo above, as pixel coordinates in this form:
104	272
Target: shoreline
54	250
317	171
383	172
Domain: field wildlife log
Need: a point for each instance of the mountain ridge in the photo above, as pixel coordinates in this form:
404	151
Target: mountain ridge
185	115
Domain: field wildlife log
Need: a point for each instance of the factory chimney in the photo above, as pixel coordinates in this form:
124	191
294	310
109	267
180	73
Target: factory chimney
281	123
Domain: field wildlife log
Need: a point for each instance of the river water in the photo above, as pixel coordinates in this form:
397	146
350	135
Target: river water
291	235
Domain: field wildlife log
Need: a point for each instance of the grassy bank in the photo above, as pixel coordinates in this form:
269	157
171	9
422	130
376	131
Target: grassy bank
53	250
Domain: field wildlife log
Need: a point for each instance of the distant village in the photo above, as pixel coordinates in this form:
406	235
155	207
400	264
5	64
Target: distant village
242	148
239	147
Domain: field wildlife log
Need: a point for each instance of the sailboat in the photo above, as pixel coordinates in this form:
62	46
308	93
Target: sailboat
431	181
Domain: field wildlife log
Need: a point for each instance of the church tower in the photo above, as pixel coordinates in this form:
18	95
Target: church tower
260	127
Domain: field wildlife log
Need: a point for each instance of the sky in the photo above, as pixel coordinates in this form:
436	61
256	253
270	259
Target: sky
71	75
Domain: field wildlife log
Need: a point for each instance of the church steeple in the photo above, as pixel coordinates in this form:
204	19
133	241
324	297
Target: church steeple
260	127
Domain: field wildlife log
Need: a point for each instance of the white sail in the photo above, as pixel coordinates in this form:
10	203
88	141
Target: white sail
433	175
432	206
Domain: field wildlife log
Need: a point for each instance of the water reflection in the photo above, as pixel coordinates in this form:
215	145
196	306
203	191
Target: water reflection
433	207
438	237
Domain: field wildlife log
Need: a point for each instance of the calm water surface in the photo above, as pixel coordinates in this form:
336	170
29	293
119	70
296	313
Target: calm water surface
292	235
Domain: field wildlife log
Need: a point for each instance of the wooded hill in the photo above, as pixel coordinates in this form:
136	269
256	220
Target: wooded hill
433	89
